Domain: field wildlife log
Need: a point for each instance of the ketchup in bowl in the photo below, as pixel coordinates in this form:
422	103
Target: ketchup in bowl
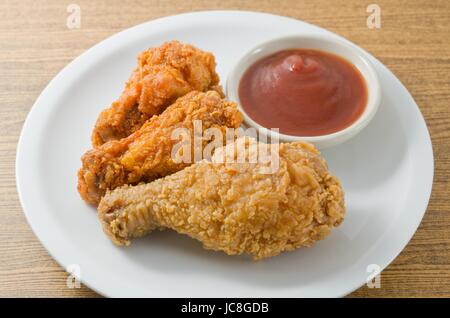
303	92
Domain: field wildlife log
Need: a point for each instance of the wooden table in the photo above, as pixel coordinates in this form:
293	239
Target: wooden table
413	41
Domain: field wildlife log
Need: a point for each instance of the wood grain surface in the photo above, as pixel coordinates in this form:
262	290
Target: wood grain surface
413	41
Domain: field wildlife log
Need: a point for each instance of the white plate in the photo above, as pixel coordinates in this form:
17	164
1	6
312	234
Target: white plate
386	171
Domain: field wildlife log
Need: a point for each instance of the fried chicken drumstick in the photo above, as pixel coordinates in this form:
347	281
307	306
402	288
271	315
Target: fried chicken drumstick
146	154
234	207
163	74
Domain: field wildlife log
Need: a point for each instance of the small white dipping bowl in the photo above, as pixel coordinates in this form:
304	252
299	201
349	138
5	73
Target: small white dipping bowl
350	52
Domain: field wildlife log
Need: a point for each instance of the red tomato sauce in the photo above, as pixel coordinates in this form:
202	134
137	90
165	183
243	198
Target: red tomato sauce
303	92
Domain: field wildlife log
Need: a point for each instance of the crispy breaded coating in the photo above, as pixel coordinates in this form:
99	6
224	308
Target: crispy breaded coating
163	74
235	207
146	154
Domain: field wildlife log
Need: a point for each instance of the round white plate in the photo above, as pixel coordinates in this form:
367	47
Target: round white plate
386	171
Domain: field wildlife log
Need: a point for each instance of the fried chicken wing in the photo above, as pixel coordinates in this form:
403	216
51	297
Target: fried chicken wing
235	207
163	74
146	154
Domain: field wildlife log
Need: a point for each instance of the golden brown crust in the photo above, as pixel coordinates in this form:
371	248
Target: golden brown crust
234	207
146	154
163	74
